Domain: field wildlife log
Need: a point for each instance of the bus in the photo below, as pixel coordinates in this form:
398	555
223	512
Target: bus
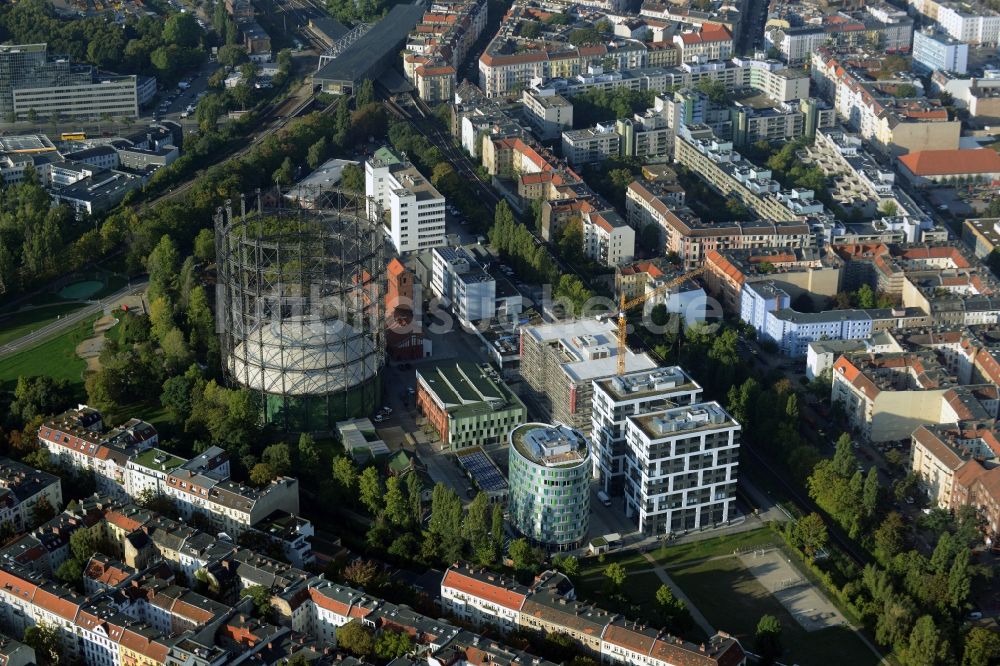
73	136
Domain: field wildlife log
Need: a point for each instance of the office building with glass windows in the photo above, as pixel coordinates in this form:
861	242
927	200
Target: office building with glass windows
549	480
33	84
682	468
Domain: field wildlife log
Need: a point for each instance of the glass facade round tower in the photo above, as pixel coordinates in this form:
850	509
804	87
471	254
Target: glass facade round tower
549	481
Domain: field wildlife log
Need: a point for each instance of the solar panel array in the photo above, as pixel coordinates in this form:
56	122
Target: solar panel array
484	471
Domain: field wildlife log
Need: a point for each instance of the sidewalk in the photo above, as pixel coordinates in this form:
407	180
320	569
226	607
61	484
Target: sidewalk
696	615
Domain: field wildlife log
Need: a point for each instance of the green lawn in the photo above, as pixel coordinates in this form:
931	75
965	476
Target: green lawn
732	600
55	358
20	324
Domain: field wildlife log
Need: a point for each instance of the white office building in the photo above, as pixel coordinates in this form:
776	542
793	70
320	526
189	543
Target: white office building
413	211
939	52
462	284
682	468
633	394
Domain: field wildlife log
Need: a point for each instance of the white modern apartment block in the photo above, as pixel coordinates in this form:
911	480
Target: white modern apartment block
591	145
682	473
462	284
549	112
939	52
633	394
969	24
607	238
412	208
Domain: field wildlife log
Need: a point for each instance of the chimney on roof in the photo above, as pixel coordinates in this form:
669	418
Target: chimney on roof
701	647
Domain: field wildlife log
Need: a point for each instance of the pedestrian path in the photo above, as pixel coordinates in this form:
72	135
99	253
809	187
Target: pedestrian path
696	615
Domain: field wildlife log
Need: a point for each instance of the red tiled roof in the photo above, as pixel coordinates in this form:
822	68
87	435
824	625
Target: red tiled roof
708	33
951	162
483	590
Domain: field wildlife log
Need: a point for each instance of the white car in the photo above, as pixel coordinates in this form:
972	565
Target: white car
387	410
411	390
378	418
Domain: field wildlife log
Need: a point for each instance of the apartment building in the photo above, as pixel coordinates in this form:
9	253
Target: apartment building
682	468
973	23
796	271
896	126
548	112
691	238
21	489
560	361
939	52
591	145
887	397
727	172
411	208
549	605
707	42
77	438
467	405
509	64
439	44
462	284
633	394
607	239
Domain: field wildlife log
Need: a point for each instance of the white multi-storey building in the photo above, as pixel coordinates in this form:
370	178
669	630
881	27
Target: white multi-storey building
607	238
633	394
462	284
413	210
682	473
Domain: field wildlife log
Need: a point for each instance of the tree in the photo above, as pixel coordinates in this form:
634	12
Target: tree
521	554
317	153
39	396
960	580
356	639
616	574
182	29
981	648
569	565
870	493
45	640
163	266
669	605
42	511
361	573
279	458
176	354
397	510
866	297
391	644
888	208
365	94
767	639
370	490
476	527
811	534
262	474
926	646
345	475
446	522
231	55
261	598
415	491
352	178
70	571
285	174
204	246
844	462
308	453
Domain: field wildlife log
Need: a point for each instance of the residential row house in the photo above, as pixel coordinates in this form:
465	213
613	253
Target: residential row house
549	605
126	464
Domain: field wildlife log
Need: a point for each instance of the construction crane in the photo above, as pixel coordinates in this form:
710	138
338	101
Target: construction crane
624	306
